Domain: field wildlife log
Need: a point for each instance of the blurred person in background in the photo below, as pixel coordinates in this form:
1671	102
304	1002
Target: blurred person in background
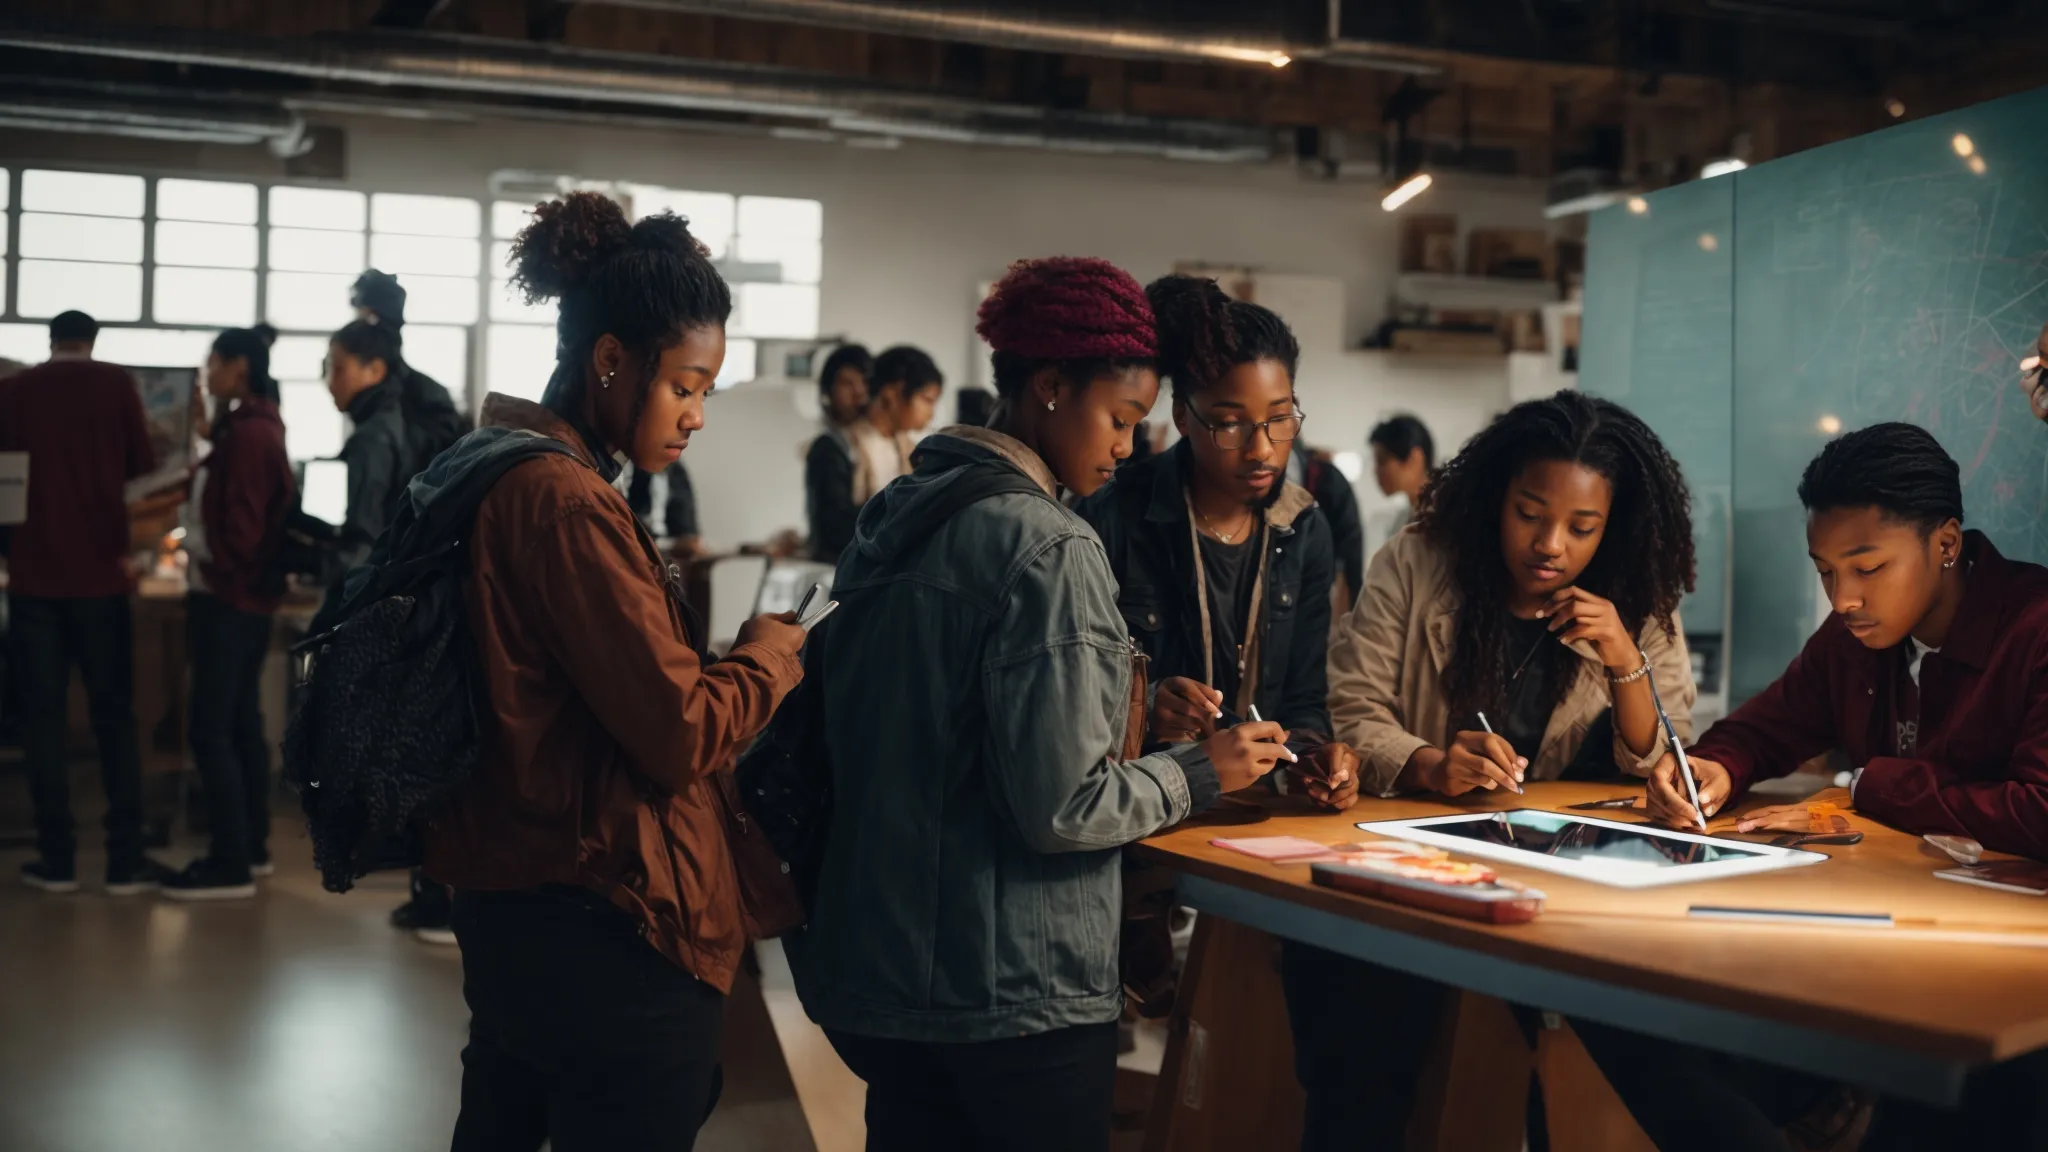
82	425
903	393
239	496
1403	455
1315	469
666	503
432	419
833	469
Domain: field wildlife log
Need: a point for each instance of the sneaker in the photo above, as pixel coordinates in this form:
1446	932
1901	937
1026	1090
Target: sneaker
47	877
443	936
208	879
135	879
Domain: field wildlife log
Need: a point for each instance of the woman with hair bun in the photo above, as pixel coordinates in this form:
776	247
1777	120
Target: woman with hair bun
239	497
596	901
977	703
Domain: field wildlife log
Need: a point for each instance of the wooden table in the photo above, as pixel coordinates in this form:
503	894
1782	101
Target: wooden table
1909	1010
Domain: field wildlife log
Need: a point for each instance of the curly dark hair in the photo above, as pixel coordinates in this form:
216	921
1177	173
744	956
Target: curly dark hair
1203	333
1645	561
644	283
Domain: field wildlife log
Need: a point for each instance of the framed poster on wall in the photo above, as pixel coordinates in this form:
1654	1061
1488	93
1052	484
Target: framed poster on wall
167	411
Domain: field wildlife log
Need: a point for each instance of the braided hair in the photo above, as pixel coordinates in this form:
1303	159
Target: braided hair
1900	469
1083	316
1645	561
645	284
1203	333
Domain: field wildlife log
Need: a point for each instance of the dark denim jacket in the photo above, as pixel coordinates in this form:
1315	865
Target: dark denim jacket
1142	518
975	690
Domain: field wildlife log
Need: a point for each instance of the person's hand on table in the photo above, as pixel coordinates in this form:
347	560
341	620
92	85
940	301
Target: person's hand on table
1475	760
1791	817
1666	800
1243	754
1184	711
1337	765
1576	614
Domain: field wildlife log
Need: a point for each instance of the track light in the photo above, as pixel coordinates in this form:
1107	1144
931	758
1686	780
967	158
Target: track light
1407	190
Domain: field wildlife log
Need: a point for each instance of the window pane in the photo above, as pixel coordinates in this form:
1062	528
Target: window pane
28	343
312	425
742	363
440	299
106	291
801	258
5	183
777	311
508	217
294	250
206	200
425	215
501	259
519	358
206	245
327	208
710	213
309	302
81	238
442	353
85	193
299	358
508	304
775	216
436	256
205	296
155	347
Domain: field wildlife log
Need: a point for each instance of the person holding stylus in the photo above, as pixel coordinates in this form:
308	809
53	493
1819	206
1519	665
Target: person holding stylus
1539	584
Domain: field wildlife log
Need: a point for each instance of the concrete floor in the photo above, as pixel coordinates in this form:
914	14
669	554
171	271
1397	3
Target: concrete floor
295	1021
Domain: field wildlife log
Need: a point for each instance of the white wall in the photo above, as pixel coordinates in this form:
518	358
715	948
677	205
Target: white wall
910	233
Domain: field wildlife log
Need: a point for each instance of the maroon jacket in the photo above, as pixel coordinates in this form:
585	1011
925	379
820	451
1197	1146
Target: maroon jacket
249	490
81	423
1982	763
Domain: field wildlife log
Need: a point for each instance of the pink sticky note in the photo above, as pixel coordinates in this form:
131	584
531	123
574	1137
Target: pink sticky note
1278	849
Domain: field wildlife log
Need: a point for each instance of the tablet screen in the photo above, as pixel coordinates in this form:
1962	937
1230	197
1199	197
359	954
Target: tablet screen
1569	838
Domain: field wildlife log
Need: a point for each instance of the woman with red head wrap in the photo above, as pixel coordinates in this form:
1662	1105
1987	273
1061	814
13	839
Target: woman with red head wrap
974	691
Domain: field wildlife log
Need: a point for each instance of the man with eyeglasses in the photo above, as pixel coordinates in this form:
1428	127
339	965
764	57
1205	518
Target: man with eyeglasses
1224	567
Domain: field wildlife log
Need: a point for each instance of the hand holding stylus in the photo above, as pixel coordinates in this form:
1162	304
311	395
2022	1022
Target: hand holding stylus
1665	797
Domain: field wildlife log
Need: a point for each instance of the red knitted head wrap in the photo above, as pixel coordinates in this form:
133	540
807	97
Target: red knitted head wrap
1069	308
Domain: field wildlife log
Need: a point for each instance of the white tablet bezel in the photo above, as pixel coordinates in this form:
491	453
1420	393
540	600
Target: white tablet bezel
1769	858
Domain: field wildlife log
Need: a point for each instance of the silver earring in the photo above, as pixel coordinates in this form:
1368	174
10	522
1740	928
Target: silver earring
1949	563
605	381
1051	405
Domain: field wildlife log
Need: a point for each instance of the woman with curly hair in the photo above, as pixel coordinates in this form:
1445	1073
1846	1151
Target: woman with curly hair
1515	631
976	692
595	896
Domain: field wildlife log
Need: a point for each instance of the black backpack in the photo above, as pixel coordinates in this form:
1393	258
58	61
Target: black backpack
785	779
386	718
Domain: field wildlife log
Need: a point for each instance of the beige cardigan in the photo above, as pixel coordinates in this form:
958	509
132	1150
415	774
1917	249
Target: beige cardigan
1387	661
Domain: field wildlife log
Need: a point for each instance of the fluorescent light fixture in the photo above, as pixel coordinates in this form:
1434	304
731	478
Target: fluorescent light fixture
1963	145
1722	167
1280	60
1410	188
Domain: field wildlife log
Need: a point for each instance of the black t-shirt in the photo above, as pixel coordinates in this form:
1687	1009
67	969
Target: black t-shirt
1230	571
1526	711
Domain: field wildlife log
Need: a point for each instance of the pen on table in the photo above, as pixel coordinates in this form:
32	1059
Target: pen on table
1284	749
1491	732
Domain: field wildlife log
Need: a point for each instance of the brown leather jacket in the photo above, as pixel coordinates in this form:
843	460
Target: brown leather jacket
598	771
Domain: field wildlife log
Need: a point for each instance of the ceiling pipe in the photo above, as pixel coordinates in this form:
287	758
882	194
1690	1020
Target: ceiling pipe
152	114
502	68
990	26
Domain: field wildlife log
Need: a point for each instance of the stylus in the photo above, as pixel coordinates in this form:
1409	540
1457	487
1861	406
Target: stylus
1692	787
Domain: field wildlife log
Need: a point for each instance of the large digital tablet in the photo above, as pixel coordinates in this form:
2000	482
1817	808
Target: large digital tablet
1603	851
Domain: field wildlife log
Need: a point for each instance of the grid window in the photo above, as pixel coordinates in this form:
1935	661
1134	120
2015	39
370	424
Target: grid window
710	214
328	209
206	201
439	299
742	364
155	347
777	311
425	215
110	292
305	250
801	259
428	255
223	296
27	343
194	245
518	359
779	216
313	427
508	217
442	353
301	358
95	238
82	193
308	301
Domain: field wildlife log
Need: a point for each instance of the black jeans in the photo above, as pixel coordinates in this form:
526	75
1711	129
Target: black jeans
1050	1090
1688	1099
47	637
228	647
580	1033
1362	1034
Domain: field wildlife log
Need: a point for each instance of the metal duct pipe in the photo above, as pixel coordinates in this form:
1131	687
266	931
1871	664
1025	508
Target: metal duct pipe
471	64
152	114
1000	30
